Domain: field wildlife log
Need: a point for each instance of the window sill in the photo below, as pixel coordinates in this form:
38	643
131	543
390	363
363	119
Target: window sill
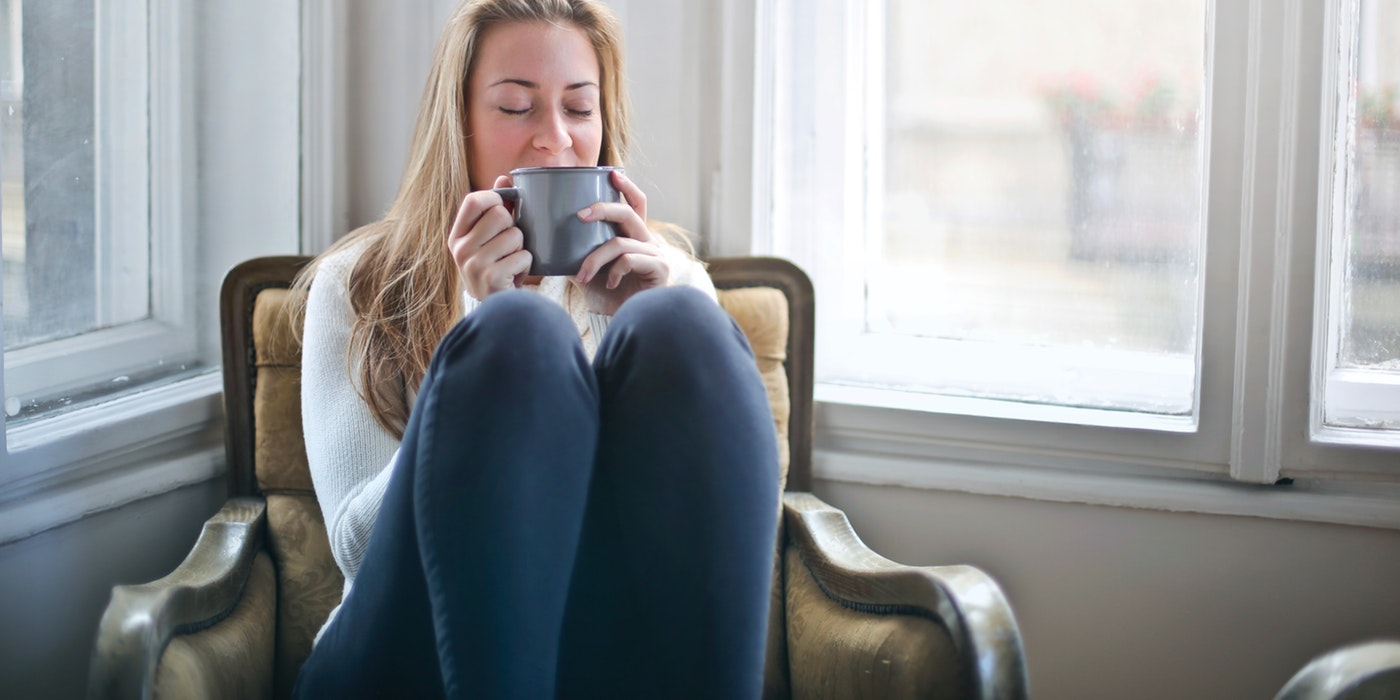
901	455
61	469
932	402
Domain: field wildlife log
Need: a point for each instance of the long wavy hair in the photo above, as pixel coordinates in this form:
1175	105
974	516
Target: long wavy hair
405	289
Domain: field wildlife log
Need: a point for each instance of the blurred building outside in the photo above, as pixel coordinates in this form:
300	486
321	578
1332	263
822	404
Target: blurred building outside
1043	184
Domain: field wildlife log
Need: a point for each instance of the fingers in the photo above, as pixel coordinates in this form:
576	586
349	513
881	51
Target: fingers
630	215
485	244
629	224
513	269
500	246
475	205
643	267
486	226
627	256
631	192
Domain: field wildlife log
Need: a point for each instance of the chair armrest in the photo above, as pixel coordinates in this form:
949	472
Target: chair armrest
1365	670
141	619
968	602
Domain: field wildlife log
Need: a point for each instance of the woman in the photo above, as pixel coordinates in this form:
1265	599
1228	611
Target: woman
534	487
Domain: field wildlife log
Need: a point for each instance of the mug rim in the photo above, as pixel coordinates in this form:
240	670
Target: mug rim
557	168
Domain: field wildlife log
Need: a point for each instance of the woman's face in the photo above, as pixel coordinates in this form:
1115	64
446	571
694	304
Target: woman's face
532	100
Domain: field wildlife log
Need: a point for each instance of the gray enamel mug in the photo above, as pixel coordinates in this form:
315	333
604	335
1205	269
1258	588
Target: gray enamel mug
547	203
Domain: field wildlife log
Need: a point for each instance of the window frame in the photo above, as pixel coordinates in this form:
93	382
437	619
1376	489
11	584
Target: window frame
225	184
142	210
1123	386
144	192
1264	115
1371	395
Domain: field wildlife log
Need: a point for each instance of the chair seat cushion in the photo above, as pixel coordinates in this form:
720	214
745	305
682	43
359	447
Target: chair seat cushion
309	583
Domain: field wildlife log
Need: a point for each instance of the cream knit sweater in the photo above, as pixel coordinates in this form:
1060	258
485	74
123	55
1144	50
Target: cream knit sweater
351	456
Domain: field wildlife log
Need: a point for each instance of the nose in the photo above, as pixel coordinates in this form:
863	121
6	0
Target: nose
552	134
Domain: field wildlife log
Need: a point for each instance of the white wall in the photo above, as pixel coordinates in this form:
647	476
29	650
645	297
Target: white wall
663	39
1119	603
388	50
54	586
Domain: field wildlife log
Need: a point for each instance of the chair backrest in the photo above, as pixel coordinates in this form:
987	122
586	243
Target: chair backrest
787	323
782	331
771	299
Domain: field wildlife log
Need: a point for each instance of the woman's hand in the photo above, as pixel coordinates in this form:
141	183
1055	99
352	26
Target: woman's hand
486	245
629	263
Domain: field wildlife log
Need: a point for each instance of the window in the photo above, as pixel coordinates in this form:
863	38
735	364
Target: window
1360	367
84	313
138	165
1087	231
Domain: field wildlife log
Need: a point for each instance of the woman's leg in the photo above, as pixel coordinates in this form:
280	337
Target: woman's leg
482	518
671	590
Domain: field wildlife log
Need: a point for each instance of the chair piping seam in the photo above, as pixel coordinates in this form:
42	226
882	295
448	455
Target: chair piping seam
871	608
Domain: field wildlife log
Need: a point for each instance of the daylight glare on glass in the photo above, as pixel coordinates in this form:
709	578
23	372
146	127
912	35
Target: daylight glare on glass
1370	337
12	167
1042	184
48	176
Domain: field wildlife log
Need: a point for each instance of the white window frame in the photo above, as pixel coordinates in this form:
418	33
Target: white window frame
142	210
233	192
144	192
1264	107
1368	395
1117	388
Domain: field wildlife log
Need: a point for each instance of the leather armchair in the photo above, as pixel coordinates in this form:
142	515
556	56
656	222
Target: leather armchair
237	617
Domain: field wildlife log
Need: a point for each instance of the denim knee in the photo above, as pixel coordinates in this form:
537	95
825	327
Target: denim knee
513	324
676	311
673	325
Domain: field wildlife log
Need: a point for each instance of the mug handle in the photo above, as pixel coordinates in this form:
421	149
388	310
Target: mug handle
510	194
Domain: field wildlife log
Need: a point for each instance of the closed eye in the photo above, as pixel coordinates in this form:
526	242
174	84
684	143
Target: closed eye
513	112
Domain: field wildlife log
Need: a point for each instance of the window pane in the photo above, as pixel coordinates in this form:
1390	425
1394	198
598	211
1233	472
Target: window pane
1042	183
1363	388
48	167
12	166
1372	300
79	323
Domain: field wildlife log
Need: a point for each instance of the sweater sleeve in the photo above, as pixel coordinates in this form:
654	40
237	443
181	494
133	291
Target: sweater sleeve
350	455
689	272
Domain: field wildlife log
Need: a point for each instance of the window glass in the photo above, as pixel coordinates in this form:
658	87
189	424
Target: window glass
12	165
1372	302
86	316
1366	317
1041	186
48	169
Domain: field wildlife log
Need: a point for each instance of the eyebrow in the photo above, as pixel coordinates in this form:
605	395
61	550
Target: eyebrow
535	86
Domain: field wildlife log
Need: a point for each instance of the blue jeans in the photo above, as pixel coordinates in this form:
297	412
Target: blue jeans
560	529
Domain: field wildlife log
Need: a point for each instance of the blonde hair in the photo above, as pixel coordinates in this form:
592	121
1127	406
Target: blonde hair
405	289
